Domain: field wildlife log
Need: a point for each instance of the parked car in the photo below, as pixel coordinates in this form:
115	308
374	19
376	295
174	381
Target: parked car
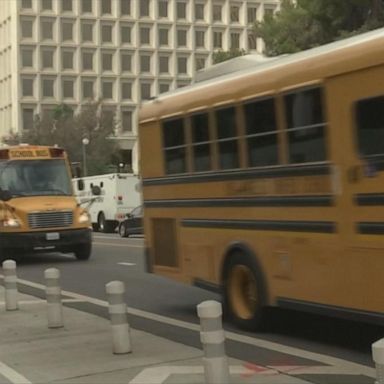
133	223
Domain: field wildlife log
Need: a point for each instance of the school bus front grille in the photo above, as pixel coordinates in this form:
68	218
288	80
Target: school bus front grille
50	219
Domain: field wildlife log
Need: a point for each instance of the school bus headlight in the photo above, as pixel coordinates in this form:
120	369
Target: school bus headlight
11	222
84	217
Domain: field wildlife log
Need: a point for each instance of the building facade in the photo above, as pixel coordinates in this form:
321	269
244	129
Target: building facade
123	51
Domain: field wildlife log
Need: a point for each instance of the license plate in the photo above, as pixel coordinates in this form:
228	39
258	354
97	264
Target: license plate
52	236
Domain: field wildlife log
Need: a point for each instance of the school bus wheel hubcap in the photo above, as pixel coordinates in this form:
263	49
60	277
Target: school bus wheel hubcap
242	292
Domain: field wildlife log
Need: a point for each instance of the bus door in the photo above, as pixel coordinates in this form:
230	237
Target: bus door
358	143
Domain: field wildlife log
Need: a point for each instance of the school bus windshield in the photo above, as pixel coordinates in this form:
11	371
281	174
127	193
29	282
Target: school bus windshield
35	178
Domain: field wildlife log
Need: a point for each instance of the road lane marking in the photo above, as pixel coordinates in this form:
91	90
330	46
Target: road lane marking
118	245
304	354
12	375
118	238
128	264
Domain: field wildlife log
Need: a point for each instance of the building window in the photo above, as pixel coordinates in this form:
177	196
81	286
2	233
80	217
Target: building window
48	87
106	33
181	10
67	31
234	13
145	89
164	64
144	8
125	7
163	36
305	126
106	7
107	89
67	59
27	57
163	8
47	30
199	12
164	87
199	63
107	60
182	65
145	35
201	146
126	125
27	87
27	118
86	6
46	5
26	4
47	58
235	40
269	12
125	34
87	60
87	32
126	90
217	12
87	86
252	41
227	138
261	132
26	29
66	5
252	15
181	38
217	39
68	88
126	62
174	146
200	39
145	63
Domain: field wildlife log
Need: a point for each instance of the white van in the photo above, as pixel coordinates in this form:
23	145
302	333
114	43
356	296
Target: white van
120	193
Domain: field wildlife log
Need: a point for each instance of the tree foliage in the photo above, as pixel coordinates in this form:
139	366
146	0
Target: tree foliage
220	56
67	130
310	23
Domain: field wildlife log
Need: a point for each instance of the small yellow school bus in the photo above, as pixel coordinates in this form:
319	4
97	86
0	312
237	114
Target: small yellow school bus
268	183
38	210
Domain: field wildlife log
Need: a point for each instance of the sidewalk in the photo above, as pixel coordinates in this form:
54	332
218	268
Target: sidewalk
81	352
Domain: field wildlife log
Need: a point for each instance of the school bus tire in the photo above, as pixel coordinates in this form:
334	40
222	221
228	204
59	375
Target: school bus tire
83	251
244	291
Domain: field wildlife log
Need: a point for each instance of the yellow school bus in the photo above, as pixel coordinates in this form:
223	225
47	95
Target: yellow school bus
38	210
268	183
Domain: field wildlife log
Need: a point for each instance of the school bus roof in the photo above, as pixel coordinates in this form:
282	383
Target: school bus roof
289	71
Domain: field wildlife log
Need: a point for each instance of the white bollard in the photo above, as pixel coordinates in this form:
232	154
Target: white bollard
118	314
10	285
378	358
53	295
216	369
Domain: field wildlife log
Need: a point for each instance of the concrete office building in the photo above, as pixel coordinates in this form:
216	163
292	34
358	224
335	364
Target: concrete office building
124	51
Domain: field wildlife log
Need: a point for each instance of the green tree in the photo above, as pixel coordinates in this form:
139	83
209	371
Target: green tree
310	23
67	130
220	56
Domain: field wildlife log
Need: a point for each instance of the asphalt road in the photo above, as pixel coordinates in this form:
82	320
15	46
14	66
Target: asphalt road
115	258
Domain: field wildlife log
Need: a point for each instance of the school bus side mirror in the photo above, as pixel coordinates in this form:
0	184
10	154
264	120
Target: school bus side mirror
96	190
5	195
80	185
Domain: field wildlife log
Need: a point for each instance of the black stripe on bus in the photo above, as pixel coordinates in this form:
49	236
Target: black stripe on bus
259	201
331	310
263	225
282	171
370	228
369	199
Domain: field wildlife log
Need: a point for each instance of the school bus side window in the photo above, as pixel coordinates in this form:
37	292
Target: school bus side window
261	132
227	138
201	146
370	126
174	146
305	126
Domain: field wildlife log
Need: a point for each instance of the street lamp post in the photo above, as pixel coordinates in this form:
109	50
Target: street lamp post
85	142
